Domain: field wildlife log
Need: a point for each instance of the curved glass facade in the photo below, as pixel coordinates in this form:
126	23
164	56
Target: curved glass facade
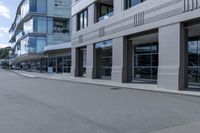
33	44
25	8
46	25
28	26
39	6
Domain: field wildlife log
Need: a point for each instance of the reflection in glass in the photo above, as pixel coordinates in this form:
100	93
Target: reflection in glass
146	61
194	61
104	59
32	44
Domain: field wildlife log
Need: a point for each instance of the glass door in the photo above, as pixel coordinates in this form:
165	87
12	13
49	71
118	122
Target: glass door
82	61
145	66
194	61
67	64
106	63
59	64
104	59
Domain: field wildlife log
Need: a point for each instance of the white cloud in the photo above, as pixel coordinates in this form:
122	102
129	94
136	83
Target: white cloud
1	35
3	31
4	11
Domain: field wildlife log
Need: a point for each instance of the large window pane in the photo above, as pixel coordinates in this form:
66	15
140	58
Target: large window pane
28	26
104	59
25	8
41	25
82	19
41	43
146	61
41	6
194	61
130	3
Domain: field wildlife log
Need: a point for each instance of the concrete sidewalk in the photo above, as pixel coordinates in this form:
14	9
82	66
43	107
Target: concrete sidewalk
136	86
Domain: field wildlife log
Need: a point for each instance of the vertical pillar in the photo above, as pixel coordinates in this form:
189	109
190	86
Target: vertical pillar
172	70
74	24
56	64
90	72
91	14
74	66
118	6
119	57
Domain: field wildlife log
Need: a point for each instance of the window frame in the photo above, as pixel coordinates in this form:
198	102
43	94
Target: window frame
128	3
59	3
82	24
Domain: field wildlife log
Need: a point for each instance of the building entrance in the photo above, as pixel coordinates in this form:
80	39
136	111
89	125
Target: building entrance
104	59
194	61
82	61
145	66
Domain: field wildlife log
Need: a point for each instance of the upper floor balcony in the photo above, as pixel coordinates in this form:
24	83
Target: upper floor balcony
104	10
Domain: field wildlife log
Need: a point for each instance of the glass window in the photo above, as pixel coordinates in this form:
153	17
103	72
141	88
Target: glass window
105	11
24	45
104	59
67	63
41	6
82	61
41	43
28	26
146	61
130	3
25	8
36	24
52	63
82	20
85	17
33	5
33	44
41	24
60	26
58	3
194	61
50	25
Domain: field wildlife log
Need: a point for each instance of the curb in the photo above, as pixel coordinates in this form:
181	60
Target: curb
157	90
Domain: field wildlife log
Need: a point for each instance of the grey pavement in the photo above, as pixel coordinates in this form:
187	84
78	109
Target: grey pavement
35	105
136	86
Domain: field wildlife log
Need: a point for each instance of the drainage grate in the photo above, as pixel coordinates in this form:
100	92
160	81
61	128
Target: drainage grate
116	88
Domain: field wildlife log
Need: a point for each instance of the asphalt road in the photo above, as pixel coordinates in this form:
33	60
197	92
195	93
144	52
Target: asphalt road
33	105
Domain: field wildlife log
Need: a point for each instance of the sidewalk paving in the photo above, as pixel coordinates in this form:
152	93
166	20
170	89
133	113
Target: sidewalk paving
137	86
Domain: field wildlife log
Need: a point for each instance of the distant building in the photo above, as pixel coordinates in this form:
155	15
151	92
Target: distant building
41	35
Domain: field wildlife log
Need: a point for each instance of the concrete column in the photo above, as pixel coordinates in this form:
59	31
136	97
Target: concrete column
91	14
119	57
74	66
118	6
74	24
172	70
90	72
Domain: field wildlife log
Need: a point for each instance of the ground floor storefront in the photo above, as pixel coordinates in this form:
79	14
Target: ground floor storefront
51	62
168	57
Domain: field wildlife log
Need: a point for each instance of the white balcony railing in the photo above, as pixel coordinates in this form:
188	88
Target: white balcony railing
106	16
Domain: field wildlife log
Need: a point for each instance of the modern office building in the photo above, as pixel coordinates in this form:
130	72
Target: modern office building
41	35
146	41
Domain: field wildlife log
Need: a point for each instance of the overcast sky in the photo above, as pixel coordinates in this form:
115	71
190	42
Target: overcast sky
7	15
